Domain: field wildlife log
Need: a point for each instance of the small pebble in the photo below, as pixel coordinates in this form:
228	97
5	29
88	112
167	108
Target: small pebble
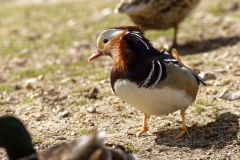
208	75
60	109
118	108
29	83
228	67
223	82
41	109
211	91
39	117
92	93
228	135
117	101
63	114
8	110
91	109
232	131
164	124
63	97
229	95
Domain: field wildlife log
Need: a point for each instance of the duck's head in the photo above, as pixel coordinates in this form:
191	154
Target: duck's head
123	44
108	42
15	138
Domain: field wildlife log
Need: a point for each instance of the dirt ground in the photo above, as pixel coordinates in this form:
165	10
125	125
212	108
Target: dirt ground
57	113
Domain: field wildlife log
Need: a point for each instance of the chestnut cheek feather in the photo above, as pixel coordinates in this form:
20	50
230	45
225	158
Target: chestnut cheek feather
97	53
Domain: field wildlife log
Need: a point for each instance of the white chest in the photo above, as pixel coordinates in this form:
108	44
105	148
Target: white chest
152	101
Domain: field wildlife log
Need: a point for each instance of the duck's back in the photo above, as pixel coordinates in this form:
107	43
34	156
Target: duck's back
157	14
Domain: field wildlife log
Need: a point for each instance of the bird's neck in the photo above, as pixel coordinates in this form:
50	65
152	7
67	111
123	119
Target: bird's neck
136	71
123	57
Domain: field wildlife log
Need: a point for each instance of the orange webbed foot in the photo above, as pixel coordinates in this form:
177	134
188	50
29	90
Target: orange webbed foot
139	131
143	129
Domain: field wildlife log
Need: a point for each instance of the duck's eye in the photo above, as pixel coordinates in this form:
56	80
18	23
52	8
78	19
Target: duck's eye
105	40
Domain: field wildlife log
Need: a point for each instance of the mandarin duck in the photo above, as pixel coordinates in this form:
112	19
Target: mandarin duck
148	79
17	142
157	14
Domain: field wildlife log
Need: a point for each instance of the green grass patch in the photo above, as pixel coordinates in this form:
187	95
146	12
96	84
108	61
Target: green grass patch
217	108
131	149
117	136
198	109
205	102
235	105
212	63
84	132
192	60
2	102
51	143
27	100
6	88
238	135
81	89
81	102
35	27
74	73
79	64
2	108
154	34
38	71
36	139
96	74
106	93
170	117
215	10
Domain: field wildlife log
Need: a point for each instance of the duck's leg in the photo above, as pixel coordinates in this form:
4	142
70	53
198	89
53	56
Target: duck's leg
184	128
141	130
174	44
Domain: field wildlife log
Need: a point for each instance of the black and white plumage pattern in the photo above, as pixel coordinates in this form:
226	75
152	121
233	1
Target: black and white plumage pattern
145	77
154	76
149	68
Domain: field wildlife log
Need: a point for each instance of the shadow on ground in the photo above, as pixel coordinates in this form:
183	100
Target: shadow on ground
195	47
213	133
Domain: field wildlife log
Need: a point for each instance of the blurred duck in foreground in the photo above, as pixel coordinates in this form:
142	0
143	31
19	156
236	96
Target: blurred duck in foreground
151	80
17	142
157	14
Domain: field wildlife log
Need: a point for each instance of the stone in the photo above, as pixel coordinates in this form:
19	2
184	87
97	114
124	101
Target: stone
211	91
93	92
39	117
223	82
91	109
229	95
228	135
63	114
29	83
207	76
232	131
118	108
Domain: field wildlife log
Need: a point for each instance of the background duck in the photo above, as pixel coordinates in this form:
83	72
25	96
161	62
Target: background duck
157	14
17	142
